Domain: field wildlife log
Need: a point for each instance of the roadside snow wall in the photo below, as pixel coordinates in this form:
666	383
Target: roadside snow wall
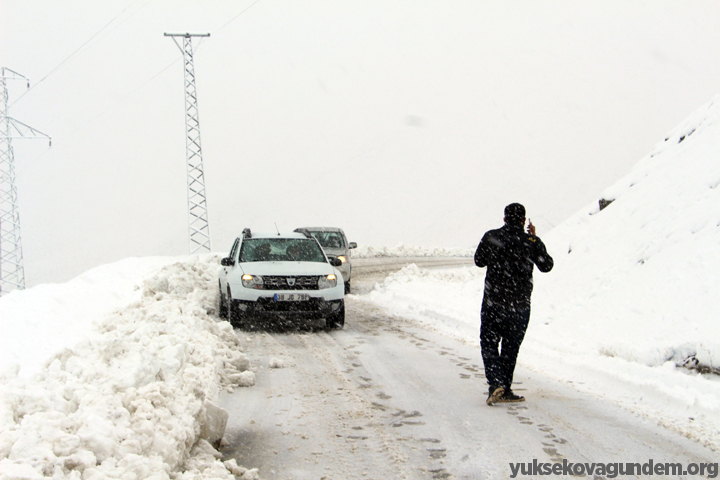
131	402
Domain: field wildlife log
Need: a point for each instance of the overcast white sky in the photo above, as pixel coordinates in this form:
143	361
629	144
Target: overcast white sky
403	121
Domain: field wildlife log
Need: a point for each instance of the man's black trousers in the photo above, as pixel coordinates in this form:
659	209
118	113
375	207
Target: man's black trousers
502	327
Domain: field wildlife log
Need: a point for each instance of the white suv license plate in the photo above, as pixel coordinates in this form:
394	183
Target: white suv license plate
291	297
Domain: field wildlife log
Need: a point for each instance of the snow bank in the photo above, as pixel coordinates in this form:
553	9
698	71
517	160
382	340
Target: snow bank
633	295
131	400
39	321
447	299
401	250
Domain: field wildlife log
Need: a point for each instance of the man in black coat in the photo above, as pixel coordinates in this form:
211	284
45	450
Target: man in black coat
510	255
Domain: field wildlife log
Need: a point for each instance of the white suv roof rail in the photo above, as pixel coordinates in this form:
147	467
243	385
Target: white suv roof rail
303	231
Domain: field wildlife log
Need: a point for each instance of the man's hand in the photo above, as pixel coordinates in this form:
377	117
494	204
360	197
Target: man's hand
531	228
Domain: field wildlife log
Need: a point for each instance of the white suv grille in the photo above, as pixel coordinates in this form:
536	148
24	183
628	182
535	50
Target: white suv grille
278	282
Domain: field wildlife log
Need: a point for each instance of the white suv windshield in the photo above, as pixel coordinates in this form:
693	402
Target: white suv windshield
280	250
329	239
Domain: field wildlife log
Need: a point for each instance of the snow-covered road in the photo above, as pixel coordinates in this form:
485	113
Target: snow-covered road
388	397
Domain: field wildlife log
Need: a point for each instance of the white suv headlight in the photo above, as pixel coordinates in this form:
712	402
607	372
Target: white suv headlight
252	281
327	281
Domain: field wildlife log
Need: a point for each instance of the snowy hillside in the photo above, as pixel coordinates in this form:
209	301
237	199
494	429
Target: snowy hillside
633	295
653	252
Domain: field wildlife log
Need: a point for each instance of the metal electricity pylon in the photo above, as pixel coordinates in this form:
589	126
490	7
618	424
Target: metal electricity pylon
199	227
12	272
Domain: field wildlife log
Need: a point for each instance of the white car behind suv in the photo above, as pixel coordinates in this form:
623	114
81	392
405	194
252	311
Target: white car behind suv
336	245
282	278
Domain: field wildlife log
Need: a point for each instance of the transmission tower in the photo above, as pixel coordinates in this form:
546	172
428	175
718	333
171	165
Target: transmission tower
12	272
199	227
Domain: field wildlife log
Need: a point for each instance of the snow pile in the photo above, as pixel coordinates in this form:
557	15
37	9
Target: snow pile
132	399
401	250
633	295
39	321
449	299
276	363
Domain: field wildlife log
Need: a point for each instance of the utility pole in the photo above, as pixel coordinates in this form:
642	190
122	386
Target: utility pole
199	228
12	272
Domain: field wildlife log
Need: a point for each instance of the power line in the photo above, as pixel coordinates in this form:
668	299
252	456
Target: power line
75	52
236	16
109	109
142	85
125	97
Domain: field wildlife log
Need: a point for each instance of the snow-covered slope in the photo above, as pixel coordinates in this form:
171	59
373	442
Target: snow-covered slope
634	292
642	276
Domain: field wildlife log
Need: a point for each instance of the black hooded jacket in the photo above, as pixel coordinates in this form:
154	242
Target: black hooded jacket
509	255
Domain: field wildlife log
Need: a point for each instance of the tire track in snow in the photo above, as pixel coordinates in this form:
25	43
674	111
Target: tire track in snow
314	421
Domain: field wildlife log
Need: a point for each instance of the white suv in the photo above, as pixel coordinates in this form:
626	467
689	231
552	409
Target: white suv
286	278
